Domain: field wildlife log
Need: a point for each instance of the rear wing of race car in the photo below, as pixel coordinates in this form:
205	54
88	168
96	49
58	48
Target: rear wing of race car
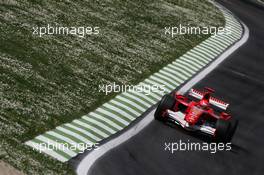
213	101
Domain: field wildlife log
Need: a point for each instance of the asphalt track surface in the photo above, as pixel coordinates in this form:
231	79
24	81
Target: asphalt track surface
240	80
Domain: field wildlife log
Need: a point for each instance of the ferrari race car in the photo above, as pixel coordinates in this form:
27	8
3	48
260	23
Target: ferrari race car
198	112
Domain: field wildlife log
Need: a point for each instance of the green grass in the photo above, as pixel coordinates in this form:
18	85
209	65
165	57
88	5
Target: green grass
52	80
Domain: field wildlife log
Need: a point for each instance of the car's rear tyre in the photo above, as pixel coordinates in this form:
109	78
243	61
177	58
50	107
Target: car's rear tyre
167	102
222	130
232	129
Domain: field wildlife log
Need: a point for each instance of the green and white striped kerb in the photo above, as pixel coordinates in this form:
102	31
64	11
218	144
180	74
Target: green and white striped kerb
119	112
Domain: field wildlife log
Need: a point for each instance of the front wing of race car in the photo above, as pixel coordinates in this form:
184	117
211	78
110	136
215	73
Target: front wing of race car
178	118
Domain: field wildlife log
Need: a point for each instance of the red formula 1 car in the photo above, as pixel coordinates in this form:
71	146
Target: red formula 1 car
206	114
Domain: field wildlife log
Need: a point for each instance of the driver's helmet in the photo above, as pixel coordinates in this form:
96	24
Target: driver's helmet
203	103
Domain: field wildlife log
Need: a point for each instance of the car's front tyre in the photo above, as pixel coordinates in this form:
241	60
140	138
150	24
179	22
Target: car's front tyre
222	130
232	129
167	102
